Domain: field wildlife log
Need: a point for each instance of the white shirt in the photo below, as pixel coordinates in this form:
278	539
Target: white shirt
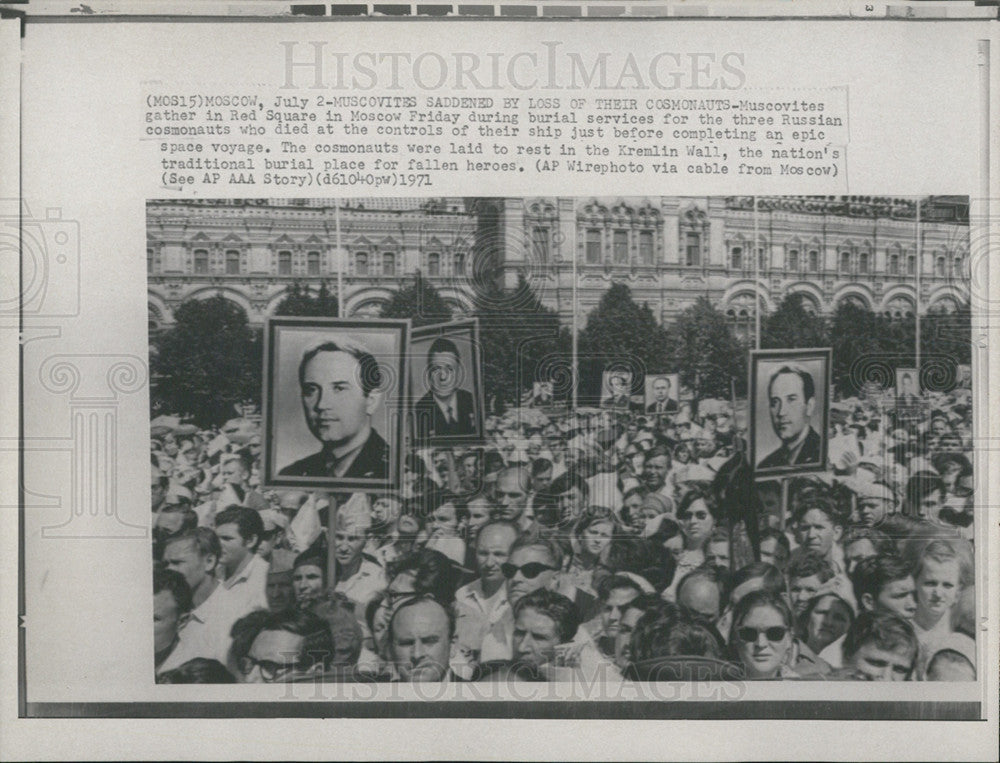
206	633
361	587
247	589
476	615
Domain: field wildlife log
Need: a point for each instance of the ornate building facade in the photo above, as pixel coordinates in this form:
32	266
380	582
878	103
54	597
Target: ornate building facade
669	250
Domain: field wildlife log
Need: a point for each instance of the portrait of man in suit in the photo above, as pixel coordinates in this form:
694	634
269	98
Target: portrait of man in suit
446	409
664	395
333	406
618	386
791	399
339	382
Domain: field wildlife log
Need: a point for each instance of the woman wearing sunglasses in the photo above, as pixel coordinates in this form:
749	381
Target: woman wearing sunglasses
761	636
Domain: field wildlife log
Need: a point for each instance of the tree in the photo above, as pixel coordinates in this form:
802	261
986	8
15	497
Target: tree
522	340
298	301
791	325
420	302
701	346
207	361
865	347
620	331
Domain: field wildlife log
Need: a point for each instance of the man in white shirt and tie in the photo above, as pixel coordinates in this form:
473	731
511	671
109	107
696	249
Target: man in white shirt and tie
662	402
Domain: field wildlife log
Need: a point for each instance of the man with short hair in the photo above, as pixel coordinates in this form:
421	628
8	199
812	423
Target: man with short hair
244	574
614	594
775	548
339	383
662	402
480	605
543	620
289	646
880	646
171	606
702	593
420	632
885	584
656	470
359	576
807	575
791	394
863	542
195	555
513	485
446	410
619	383
717	549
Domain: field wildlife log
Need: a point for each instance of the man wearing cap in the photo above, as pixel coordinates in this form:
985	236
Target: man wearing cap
445	410
359	576
339	382
662	402
791	395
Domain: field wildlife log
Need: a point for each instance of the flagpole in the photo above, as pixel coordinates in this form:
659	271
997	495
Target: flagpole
756	276
340	264
920	257
575	370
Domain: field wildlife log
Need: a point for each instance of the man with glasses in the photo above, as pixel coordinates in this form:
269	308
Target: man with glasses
289	646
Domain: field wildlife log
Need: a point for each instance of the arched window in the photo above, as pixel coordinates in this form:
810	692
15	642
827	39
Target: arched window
201	261
911	265
149	260
894	264
232	263
388	264
646	247
284	263
459	264
434	264
621	247
957	265
312	263
863	263
793	260
736	258
762	262
813	261
593	246
361	264
939	266
845	262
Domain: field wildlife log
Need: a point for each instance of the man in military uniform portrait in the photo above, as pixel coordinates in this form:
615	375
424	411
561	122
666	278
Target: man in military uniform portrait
339	382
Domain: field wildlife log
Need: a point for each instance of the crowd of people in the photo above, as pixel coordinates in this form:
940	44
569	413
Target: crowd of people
609	542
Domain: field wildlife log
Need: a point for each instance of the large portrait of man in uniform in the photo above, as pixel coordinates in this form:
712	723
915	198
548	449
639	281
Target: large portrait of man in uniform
790	401
446	383
334	403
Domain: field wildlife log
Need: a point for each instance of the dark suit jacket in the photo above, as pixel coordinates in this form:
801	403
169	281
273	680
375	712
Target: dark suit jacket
620	404
432	423
372	462
808	454
670	407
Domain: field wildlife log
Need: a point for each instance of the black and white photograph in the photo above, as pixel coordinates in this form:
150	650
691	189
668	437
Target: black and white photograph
538	516
907	385
446	383
790	391
662	393
616	390
333	403
965	376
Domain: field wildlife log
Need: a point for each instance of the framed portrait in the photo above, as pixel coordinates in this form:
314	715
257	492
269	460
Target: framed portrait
446	384
662	394
789	410
907	383
964	376
334	403
616	389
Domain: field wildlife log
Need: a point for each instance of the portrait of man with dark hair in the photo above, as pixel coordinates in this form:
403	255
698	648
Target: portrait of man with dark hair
445	409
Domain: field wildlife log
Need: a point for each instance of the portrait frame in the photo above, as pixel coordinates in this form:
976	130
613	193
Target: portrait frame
465	334
762	440
964	376
648	398
282	439
903	372
607	394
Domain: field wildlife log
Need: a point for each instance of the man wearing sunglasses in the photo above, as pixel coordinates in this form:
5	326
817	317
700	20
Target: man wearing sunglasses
290	646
